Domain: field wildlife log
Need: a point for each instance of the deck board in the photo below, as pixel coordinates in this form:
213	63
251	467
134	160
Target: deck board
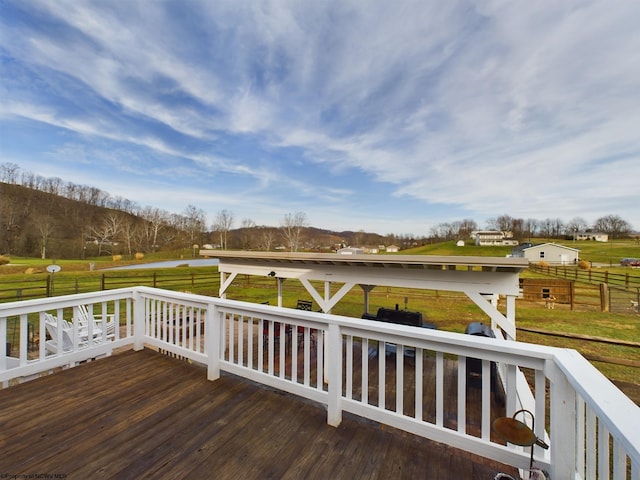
143	414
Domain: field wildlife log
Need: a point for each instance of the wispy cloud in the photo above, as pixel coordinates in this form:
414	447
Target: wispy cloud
450	108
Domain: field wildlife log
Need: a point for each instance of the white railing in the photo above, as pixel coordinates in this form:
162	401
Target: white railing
422	381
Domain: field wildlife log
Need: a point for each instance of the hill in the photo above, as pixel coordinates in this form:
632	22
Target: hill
37	223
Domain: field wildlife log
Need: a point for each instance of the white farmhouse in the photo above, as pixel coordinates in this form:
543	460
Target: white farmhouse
493	237
595	236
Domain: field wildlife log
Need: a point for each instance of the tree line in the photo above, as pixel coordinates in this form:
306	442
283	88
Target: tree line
527	229
51	218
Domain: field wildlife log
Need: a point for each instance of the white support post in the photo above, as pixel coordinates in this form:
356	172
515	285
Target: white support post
225	283
334	372
138	321
563	427
222	290
212	339
327	296
511	313
280	281
366	289
508	326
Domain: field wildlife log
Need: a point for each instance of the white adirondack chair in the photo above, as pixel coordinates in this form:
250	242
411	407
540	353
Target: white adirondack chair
100	322
53	326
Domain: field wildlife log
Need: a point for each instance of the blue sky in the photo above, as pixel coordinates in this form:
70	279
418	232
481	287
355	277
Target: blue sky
389	117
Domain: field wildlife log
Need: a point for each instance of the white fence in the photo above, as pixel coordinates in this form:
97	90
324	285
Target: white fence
427	382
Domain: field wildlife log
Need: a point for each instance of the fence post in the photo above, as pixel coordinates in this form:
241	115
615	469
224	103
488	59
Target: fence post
572	294
155	280
48	286
604	297
103	282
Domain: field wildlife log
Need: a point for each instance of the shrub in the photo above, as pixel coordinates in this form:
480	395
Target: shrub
139	256
30	271
117	258
542	264
4	260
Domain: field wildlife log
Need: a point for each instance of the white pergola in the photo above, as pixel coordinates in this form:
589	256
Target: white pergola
482	279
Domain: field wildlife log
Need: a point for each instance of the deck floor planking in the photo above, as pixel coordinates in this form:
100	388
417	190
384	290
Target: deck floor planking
142	414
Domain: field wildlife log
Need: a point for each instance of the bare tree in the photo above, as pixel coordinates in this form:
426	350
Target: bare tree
194	222
106	233
248	229
156	221
11	222
575	225
222	225
9	172
267	238
45	225
292	226
530	227
128	230
614	225
466	227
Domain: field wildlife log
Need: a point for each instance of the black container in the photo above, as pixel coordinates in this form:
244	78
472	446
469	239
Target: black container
474	365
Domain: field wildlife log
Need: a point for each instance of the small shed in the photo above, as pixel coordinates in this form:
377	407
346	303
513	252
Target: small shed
546	289
551	253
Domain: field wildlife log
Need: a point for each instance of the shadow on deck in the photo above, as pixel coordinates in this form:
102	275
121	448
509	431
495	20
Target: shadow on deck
143	414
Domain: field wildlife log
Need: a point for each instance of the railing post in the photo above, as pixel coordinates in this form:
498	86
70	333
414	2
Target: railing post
563	427
138	321
334	372
212	336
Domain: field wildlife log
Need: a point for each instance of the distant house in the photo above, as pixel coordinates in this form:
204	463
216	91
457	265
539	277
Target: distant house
551	253
493	237
393	249
595	236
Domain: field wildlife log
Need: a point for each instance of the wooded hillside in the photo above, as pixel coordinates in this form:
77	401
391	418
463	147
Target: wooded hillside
36	223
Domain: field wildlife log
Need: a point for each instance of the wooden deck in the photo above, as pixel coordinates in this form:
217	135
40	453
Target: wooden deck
146	415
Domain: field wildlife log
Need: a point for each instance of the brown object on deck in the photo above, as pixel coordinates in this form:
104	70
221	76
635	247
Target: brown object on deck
514	431
143	414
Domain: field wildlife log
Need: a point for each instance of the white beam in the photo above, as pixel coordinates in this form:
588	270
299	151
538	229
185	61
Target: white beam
496	316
